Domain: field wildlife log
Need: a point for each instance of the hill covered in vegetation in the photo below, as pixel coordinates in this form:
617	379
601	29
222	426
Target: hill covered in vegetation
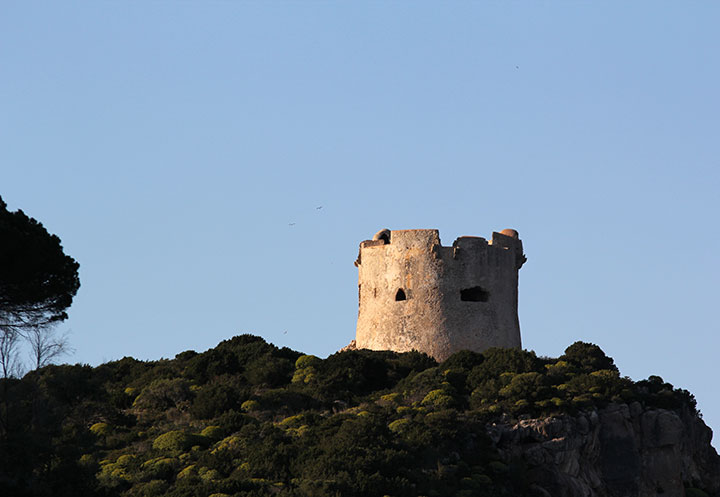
249	419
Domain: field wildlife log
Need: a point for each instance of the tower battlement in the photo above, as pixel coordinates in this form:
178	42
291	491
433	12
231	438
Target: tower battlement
414	293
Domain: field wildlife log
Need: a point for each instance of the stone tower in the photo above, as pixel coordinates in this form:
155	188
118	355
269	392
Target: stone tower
416	294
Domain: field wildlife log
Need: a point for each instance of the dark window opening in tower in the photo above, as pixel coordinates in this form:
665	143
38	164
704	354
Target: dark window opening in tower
400	295
474	294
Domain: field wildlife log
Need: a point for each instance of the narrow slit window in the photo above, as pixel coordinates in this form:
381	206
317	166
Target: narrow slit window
400	295
474	294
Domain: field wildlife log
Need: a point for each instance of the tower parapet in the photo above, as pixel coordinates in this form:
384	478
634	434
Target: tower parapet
416	294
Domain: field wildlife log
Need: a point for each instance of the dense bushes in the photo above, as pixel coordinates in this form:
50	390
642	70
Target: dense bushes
250	419
222	394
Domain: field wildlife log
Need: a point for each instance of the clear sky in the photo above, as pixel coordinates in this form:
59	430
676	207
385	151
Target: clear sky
181	151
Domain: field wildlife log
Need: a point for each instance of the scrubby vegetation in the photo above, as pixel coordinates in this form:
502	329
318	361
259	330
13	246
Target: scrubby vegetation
249	419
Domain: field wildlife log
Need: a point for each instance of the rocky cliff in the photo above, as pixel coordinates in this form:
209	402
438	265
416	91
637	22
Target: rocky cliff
619	451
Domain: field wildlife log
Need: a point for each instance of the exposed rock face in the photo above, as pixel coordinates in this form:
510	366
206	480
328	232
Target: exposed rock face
619	451
351	346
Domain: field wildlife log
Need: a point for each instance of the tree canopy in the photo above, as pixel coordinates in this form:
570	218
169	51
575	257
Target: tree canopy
37	279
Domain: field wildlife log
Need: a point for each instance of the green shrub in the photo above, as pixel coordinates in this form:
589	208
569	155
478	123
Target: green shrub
231	443
100	429
152	488
293	421
439	399
559	369
269	371
215	398
232	421
212	432
354	373
306	369
174	442
307	361
161	468
87	461
464	360
163	394
392	397
210	474
283	401
524	386
250	405
399	425
188	471
498	361
127	460
113	475
587	357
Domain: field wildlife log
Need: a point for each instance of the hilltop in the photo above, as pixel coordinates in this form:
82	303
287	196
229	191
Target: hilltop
247	418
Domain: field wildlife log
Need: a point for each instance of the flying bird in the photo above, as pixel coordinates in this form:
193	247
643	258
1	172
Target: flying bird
291	224
318	208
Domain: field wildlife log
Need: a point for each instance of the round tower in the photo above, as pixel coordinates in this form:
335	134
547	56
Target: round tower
416	294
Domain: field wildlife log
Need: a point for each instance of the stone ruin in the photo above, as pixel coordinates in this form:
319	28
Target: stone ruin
415	294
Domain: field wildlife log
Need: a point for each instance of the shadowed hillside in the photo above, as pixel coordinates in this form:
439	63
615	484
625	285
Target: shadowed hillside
248	419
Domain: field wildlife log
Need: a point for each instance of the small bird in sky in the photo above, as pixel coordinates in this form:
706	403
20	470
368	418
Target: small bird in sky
517	67
318	208
291	224
284	332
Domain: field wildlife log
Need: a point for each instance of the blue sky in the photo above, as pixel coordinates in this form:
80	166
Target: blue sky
171	145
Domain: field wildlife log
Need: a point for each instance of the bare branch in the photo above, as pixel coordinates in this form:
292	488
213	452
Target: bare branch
10	364
46	345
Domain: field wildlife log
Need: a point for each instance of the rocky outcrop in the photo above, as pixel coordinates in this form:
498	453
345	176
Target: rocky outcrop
619	451
351	346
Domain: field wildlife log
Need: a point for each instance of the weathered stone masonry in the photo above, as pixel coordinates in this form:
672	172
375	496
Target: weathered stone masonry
416	294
